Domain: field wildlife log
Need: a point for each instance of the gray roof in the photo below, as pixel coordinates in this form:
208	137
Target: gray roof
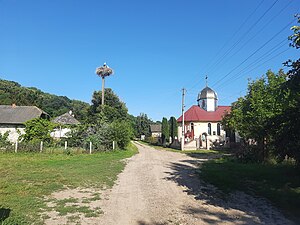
66	119
155	128
20	114
207	92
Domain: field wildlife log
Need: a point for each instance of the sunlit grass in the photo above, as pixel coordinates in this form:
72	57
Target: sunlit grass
26	178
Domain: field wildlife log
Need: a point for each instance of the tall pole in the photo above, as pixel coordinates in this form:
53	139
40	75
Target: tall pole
182	136
103	83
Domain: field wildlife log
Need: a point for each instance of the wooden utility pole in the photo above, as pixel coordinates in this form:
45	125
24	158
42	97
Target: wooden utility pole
183	130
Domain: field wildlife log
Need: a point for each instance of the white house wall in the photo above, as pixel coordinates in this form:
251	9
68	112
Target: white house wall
202	127
14	131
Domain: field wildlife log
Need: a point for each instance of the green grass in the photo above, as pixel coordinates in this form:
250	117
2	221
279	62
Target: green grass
26	178
280	183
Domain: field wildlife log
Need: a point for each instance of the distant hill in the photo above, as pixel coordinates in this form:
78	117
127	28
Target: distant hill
13	93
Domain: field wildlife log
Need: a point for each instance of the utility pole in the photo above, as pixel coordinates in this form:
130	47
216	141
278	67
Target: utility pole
182	135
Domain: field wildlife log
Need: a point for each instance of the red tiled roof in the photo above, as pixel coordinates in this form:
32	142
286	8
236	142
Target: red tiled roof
195	113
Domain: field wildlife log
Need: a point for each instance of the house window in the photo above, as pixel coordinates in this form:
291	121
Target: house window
192	126
209	129
218	129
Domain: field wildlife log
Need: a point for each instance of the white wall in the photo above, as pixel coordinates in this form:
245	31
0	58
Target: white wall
14	131
60	133
210	105
202	127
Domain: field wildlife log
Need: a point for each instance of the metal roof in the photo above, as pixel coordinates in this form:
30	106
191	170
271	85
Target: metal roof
20	114
207	92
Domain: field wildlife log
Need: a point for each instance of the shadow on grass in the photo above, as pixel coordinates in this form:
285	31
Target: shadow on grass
4	214
246	209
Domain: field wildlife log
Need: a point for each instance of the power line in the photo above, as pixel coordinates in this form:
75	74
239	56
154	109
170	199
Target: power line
249	40
261	64
236	32
236	43
243	36
257	50
266	54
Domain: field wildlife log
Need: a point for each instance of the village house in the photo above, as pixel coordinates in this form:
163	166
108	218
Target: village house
12	119
202	122
155	130
65	120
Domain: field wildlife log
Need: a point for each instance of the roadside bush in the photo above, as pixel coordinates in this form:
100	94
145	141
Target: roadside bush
122	133
4	139
37	130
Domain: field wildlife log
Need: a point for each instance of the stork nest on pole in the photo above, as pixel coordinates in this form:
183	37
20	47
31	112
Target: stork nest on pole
104	71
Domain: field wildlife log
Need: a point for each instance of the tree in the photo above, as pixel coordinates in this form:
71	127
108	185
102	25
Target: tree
287	134
251	115
173	128
143	125
37	130
122	133
114	108
164	131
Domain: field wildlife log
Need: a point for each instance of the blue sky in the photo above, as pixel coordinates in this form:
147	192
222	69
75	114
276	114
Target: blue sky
155	47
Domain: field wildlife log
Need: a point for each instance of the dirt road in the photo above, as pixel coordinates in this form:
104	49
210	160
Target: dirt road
160	187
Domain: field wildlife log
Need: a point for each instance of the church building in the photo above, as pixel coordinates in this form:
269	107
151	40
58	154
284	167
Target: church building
202	122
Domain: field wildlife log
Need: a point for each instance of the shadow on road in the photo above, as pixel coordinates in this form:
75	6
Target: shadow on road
244	209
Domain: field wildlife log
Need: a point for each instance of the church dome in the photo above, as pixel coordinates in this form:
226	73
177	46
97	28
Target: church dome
206	93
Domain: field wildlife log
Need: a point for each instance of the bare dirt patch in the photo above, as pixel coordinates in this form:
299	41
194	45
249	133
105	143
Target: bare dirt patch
73	206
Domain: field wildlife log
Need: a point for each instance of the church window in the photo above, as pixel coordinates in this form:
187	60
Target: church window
209	129
218	129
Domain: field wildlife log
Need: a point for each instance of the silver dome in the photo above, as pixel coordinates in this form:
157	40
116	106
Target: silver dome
207	92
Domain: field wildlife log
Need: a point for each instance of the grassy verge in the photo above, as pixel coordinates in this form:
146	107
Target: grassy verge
26	178
280	183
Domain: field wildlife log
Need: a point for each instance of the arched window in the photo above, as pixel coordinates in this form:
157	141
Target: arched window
209	129
218	129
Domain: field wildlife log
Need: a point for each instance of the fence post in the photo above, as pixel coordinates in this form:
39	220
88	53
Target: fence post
90	147
66	145
16	147
41	146
113	145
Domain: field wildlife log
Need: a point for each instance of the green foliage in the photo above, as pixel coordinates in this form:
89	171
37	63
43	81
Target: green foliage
12	92
4	139
165	134
113	109
142	125
251	115
37	130
173	128
122	133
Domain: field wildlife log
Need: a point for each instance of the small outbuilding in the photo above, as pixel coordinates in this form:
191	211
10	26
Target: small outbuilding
65	121
155	130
